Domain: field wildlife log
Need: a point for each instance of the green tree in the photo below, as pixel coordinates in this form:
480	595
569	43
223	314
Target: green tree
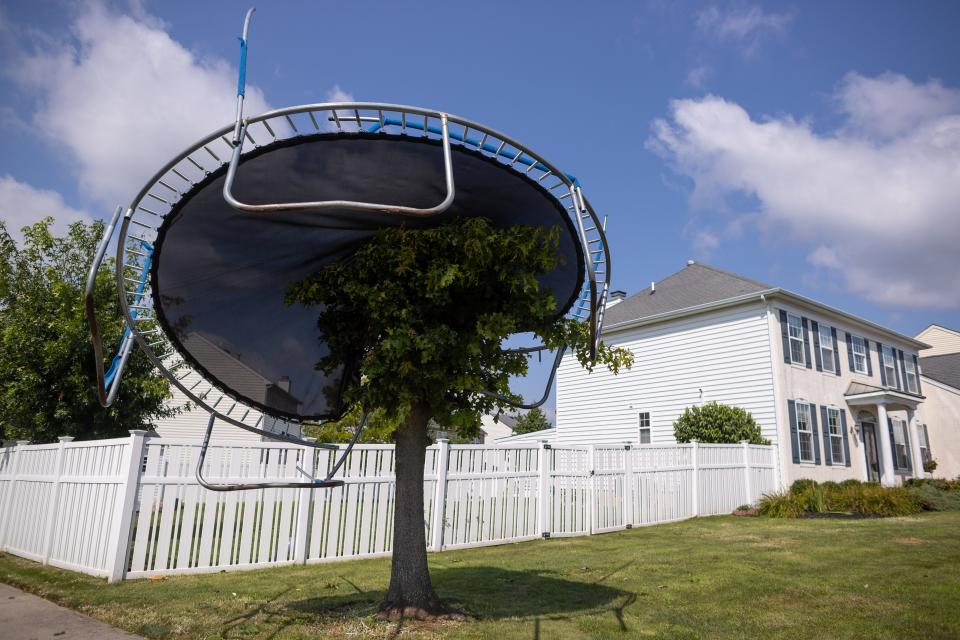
533	420
717	423
47	379
422	316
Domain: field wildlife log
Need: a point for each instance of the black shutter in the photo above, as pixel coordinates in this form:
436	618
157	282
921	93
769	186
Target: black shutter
806	343
916	370
893	444
849	353
846	440
827	449
815	330
926	436
794	436
816	433
906	445
883	369
836	351
866	351
785	333
903	371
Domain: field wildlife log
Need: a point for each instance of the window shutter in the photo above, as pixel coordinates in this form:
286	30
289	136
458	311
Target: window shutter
846	440
896	370
815	329
816	433
906	446
827	449
926	436
916	369
866	349
836	351
893	443
903	371
883	369
784	332
850	352
806	344
794	436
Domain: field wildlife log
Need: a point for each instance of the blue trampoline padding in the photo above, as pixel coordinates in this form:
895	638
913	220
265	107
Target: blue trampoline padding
242	76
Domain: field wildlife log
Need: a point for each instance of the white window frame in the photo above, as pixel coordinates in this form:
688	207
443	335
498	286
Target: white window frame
863	354
900	437
798	338
923	444
823	347
643	426
911	370
835	429
889	370
805	412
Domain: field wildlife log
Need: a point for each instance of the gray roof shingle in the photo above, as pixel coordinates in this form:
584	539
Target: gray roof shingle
944	368
694	285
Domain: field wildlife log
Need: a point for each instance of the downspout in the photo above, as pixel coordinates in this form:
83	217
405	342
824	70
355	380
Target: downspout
776	394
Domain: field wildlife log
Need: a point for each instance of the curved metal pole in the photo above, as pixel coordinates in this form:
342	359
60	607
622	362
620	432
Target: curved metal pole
105	396
342	204
327	483
546	391
242	75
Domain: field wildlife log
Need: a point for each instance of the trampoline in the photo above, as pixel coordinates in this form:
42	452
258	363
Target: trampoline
208	247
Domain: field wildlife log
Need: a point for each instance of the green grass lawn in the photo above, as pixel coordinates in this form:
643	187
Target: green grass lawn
719	577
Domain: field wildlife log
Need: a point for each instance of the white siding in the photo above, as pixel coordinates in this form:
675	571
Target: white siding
726	354
940	339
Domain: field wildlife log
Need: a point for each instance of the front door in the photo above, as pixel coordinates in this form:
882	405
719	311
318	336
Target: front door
869	430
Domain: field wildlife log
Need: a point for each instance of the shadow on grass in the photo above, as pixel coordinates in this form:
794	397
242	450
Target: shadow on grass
492	593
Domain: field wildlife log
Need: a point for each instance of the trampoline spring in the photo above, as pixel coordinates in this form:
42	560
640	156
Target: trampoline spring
515	158
564	197
195	384
135	252
531	167
212	154
403	121
219	400
139	306
291	123
141	224
246	133
158	342
226	141
541	178
483	140
336	119
266	124
259	420
158	198
161	182
150	211
232	407
426	129
466	134
245	414
500	148
183	177
196	164
356	112
380	117
184	375
313	120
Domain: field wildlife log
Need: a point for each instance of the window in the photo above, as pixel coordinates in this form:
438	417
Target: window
644	422
923	444
835	427
826	349
860	355
795	326
899	444
911	368
889	366
805	432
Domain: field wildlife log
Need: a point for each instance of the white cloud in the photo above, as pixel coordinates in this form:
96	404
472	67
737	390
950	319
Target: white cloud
22	205
336	94
697	76
748	27
874	202
122	97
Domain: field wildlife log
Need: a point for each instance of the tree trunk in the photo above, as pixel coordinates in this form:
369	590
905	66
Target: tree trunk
410	594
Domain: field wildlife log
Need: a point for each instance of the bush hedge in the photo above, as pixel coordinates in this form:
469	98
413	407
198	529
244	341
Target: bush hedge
851	496
717	424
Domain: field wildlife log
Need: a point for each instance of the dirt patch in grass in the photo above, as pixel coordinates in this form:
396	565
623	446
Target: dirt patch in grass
910	540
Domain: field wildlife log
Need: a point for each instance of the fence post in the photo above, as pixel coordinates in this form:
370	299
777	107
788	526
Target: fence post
543	491
304	498
628	486
695	485
746	471
54	494
440	495
592	487
123	517
11	492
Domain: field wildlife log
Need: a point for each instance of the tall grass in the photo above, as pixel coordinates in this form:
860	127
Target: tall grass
867	499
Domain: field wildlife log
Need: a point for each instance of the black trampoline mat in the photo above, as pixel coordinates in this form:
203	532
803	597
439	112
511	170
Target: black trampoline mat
219	275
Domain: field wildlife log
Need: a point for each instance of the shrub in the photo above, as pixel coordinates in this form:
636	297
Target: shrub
782	505
935	494
863	498
717	423
850	482
830	486
930	465
802	485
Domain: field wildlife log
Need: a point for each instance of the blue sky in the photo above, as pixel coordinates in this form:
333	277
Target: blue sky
813	146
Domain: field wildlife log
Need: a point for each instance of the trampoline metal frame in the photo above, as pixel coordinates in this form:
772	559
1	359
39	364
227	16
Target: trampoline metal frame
143	217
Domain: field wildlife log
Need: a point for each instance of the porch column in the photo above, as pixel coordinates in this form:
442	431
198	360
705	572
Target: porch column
915	443
887	477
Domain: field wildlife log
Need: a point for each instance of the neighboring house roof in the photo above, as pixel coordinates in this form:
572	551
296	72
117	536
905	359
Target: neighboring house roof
695	285
943	368
699	288
531	437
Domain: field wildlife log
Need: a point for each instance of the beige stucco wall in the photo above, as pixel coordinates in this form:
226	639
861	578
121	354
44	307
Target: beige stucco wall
795	382
941	413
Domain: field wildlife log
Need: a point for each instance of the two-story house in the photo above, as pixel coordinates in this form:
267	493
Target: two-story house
837	394
940	373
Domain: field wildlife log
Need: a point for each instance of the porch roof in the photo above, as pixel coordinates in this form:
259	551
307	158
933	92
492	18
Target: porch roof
859	394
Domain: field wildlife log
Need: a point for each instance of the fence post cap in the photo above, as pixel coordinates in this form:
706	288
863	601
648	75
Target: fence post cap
22	443
744	442
443	440
138	432
65	438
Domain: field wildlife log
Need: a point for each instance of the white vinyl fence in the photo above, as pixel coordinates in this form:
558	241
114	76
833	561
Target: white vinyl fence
131	507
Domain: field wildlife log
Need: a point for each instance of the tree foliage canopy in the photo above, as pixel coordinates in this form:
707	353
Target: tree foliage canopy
717	423
47	378
533	420
422	315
